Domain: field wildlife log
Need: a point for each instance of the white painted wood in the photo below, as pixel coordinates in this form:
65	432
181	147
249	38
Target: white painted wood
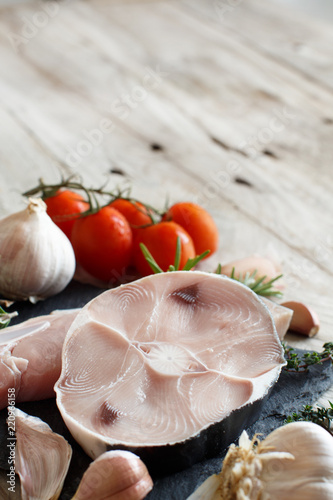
287	34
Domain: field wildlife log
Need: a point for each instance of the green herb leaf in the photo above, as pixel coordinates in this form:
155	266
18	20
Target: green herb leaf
177	256
193	262
150	259
321	416
218	270
173	267
5	317
258	285
296	363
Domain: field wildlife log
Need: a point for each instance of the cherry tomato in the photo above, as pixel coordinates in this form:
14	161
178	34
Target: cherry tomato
102	243
161	241
198	223
62	208
135	212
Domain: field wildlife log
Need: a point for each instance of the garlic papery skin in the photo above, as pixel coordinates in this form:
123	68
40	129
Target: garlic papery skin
295	462
36	258
42	458
115	474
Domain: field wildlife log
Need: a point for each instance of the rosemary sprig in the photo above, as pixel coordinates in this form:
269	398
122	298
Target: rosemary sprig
193	262
257	284
190	263
5	317
150	259
296	363
321	416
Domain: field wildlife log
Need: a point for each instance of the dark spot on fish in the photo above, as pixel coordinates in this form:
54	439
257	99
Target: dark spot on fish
108	414
241	180
156	147
270	153
144	348
188	295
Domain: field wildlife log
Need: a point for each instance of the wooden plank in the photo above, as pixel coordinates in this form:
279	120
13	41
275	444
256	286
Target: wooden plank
21	160
187	105
287	35
203	143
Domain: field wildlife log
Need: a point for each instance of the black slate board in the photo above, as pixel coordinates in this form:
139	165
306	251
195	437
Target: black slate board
290	393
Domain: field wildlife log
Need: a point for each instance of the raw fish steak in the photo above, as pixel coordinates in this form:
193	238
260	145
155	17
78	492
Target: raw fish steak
30	356
160	361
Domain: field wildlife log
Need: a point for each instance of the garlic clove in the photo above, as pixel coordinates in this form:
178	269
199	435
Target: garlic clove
294	462
42	458
115	474
304	320
37	259
263	266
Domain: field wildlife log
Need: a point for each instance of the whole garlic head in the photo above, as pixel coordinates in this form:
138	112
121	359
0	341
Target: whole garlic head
295	462
36	258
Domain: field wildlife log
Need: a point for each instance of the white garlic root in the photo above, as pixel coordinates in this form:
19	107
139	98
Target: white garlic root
36	258
115	474
304	321
295	462
42	458
209	490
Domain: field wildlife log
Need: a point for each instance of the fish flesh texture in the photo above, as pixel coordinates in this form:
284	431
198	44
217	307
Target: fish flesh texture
42	458
30	356
159	361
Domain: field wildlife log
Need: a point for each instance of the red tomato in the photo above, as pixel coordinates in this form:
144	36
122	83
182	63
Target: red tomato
161	241
135	212
198	223
62	208
102	243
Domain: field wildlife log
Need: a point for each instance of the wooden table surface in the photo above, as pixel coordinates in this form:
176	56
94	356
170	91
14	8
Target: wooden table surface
228	104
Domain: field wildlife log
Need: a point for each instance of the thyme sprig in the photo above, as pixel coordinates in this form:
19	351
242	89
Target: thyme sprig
190	263
297	363
5	317
96	197
320	415
257	284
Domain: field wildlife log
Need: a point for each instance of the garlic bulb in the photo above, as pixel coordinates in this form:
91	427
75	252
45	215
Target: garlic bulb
295	462
36	258
115	474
